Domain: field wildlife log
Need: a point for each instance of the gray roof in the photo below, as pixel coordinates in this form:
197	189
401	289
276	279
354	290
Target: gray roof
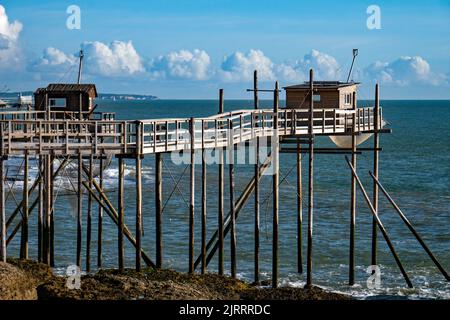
65	87
322	85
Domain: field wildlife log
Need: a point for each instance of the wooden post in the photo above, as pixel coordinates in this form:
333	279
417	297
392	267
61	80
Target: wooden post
158	204
52	215
204	186
221	192
100	220
40	208
299	209
80	208
257	218
25	213
138	196
310	181
275	180
351	278
192	197
376	144
232	204
121	213
2	204
89	216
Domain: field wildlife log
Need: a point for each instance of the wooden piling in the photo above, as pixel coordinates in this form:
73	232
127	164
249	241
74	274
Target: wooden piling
158	204
121	213
376	145
89	216
310	182
138	177
52	213
79	209
25	213
299	209
192	196
221	193
351	276
275	180
100	219
257	178
2	204
204	186
40	209
232	204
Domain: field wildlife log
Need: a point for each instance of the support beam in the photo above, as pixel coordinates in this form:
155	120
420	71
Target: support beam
257	178
100	218
52	212
2	204
40	199
158	205
376	145
275	181
232	204
204	187
138	177
299	210
192	197
80	208
121	213
221	194
89	217
25	213
351	264
309	262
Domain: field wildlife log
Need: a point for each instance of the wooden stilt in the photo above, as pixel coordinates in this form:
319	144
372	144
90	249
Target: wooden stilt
100	219
89	216
299	209
158	204
221	193
204	186
25	202
80	209
52	213
47	211
2	203
351	276
275	180
121	213
138	211
376	145
257	160
40	209
192	197
309	262
232	204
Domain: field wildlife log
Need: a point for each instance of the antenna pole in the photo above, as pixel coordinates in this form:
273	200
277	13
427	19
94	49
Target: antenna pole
80	68
355	53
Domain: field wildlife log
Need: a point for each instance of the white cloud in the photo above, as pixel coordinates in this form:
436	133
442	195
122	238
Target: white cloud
182	64
9	36
403	71
115	59
54	60
240	66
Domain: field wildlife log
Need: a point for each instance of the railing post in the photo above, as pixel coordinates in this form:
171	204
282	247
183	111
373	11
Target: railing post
192	196
376	144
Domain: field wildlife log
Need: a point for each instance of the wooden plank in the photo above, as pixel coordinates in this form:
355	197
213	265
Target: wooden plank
158	205
192	197
121	214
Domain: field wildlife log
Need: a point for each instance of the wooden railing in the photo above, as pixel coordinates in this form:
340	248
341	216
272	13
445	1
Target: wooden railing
66	137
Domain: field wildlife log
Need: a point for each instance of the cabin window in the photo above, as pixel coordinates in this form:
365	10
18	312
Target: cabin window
348	99
57	102
316	98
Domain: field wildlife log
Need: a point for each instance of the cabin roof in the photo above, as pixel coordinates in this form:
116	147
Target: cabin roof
64	87
322	85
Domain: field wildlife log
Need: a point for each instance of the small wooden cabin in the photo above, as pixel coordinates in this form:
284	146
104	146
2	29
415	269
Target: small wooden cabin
327	95
66	97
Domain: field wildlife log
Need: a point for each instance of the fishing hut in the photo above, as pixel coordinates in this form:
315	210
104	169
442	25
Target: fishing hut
313	109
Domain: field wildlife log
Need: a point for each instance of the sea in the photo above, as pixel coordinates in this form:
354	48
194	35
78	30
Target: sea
414	168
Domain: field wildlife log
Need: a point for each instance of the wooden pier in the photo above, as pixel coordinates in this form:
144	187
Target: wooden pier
76	136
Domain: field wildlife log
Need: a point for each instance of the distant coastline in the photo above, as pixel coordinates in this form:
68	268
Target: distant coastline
101	96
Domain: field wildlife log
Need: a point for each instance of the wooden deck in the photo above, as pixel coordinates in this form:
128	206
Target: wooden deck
28	132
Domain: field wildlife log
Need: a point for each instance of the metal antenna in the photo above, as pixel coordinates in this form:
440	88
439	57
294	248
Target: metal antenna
355	53
80	68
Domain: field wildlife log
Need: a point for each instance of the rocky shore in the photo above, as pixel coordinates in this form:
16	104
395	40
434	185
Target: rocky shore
28	280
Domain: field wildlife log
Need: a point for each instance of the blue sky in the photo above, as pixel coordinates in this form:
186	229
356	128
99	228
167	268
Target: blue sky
189	49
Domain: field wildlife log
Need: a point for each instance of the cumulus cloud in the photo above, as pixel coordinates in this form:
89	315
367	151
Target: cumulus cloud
403	71
240	66
182	64
9	36
55	61
115	59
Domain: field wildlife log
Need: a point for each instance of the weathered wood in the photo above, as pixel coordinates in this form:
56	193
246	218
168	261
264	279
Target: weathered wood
232	204
52	212
121	214
351	276
2	206
25	213
256	179
204	187
138	178
158	205
309	262
275	182
221	194
376	145
192	196
299	210
100	219
40	217
89	217
79	209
